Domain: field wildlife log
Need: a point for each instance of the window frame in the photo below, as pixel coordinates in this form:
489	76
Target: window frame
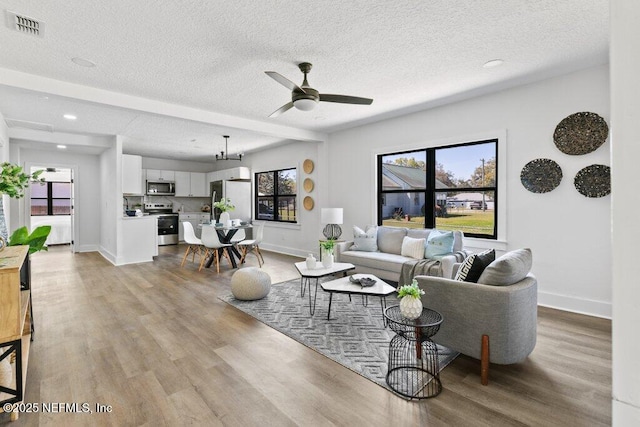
49	199
430	191
276	196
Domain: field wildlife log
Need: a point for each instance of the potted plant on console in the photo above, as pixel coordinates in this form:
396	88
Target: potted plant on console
410	303
13	181
327	248
224	206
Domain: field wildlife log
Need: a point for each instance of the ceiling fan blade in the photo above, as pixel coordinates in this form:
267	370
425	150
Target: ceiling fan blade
344	99
282	109
284	81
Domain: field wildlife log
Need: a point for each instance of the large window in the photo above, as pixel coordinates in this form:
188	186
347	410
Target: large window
449	188
50	198
275	198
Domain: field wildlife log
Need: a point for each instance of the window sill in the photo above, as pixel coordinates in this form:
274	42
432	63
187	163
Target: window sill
281	225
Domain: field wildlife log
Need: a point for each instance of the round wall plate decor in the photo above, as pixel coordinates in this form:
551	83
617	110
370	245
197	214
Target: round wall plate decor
308	185
307	166
593	181
541	175
580	133
307	203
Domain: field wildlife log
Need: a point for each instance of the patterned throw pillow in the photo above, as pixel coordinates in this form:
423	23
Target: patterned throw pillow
474	265
439	244
413	248
365	241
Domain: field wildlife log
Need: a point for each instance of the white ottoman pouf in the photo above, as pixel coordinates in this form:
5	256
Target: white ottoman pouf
250	283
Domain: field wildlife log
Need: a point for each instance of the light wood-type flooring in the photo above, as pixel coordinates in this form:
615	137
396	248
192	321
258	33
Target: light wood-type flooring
153	341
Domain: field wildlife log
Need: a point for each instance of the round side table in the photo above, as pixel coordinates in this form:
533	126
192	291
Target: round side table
413	358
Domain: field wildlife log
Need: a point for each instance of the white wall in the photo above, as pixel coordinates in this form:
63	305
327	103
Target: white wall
86	187
302	238
110	201
568	233
625	108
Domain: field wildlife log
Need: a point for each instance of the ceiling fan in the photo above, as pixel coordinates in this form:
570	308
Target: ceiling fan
304	97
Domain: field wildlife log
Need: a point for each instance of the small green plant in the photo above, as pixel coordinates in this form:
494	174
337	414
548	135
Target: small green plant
224	205
35	240
13	180
328	245
411	290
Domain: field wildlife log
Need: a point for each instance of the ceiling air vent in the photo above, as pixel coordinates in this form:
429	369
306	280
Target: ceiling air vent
15	123
24	24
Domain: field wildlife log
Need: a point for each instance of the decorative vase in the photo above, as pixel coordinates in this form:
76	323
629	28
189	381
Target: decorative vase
311	262
327	260
410	307
225	219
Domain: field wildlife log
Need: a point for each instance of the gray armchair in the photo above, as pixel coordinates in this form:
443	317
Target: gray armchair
492	323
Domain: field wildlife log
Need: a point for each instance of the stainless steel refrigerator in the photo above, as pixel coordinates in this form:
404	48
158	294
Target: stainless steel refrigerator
240	194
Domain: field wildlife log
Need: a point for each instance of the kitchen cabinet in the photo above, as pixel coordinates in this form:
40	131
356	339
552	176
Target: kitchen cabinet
160	175
16	325
194	218
234	174
132	175
191	184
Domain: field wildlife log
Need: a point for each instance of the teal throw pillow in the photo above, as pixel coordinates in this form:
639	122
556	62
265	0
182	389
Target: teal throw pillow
365	240
439	243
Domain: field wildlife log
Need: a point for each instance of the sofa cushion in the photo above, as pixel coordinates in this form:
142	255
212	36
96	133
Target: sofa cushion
365	240
413	248
439	243
390	239
473	266
375	260
510	268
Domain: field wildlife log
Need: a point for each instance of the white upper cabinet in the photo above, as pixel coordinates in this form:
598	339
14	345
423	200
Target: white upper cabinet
160	175
191	184
132	175
239	173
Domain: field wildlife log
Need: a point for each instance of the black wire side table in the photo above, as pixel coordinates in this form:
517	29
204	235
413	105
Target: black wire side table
413	370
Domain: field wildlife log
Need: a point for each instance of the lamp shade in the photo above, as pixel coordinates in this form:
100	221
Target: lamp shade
331	216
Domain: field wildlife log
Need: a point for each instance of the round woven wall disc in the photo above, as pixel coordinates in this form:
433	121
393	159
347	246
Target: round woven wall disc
541	175
593	181
580	133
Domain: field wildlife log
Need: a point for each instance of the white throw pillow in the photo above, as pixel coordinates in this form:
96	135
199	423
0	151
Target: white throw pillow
413	248
365	241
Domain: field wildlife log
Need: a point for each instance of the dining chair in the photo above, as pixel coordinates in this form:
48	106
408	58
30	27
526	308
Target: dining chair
212	245
194	244
240	234
253	245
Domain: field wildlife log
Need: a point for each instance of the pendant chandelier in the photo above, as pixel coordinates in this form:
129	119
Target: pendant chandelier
224	155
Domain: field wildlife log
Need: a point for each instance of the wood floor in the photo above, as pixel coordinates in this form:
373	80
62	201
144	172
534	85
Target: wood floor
154	342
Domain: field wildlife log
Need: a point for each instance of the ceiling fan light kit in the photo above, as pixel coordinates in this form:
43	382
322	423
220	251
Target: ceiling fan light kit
304	97
224	155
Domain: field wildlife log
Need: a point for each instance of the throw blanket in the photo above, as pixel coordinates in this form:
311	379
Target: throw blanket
419	267
424	267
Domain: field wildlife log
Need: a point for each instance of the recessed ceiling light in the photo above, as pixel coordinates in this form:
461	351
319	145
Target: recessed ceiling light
69	117
83	62
62	147
493	63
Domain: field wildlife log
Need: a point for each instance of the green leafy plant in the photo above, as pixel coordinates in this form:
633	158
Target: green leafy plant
35	240
411	290
224	205
13	180
328	245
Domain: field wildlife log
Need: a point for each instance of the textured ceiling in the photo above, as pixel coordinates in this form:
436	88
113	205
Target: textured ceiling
211	56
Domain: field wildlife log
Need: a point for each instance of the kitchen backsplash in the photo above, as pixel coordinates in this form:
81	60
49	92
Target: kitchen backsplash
189	204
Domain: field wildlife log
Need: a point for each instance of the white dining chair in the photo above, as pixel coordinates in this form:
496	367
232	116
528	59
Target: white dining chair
253	245
212	245
240	234
194	244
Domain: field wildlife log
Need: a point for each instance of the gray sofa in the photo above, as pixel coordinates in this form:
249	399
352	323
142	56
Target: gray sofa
387	262
505	314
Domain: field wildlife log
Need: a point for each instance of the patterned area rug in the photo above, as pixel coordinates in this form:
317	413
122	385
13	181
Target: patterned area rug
355	336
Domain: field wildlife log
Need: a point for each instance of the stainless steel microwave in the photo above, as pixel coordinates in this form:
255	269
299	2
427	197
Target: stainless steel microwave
161	188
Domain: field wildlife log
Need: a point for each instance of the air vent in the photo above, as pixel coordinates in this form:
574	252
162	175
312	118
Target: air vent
14	123
24	24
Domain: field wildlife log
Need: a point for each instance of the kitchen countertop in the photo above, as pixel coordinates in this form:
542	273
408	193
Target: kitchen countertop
137	217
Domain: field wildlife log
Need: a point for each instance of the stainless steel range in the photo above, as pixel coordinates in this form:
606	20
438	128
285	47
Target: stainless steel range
167	222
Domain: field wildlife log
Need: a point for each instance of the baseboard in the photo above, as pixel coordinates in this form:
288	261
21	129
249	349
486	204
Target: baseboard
86	248
107	255
575	305
284	250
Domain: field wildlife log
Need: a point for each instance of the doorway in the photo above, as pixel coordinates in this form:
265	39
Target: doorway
52	203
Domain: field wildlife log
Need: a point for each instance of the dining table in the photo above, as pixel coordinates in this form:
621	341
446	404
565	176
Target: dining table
225	234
